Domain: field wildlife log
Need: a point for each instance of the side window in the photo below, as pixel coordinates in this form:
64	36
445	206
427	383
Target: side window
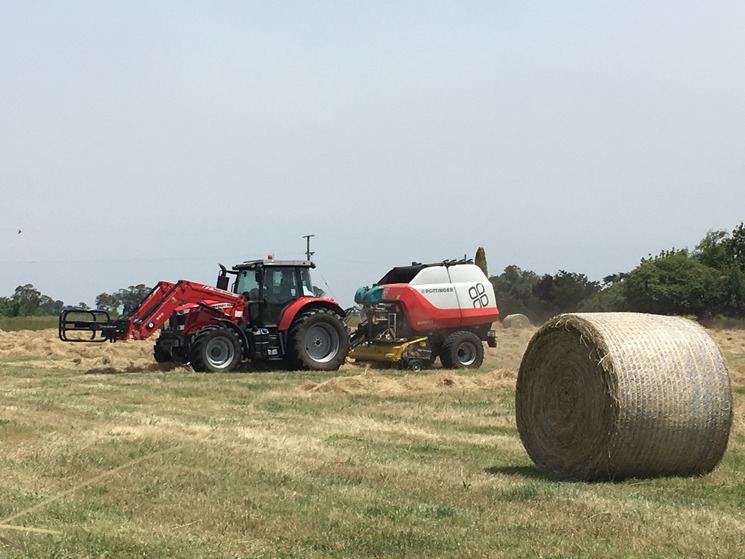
307	282
247	284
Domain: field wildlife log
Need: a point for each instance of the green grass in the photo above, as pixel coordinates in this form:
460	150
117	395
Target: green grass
158	465
15	323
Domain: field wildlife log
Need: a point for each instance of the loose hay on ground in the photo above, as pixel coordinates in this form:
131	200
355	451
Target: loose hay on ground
374	382
48	352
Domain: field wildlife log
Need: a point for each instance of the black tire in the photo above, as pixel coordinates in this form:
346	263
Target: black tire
462	350
162	354
415	365
318	341
217	350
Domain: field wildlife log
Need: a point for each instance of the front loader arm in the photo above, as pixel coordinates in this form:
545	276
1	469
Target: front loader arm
82	325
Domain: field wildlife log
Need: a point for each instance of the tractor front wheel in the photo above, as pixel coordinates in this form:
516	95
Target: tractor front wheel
318	341
462	350
166	354
161	353
216	350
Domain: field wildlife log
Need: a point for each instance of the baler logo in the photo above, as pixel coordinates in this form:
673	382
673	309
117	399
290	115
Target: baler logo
478	296
437	290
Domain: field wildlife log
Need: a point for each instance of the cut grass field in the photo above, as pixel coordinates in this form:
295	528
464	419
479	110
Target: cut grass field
104	455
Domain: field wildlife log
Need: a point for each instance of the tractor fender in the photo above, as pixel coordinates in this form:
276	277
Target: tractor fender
304	304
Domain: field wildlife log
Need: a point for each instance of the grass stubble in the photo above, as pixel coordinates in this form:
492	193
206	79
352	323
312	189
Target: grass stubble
104	455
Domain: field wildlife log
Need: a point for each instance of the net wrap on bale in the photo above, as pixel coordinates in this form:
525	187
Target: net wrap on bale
616	395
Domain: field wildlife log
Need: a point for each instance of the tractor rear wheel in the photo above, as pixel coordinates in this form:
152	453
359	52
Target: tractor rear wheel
216	350
318	341
462	350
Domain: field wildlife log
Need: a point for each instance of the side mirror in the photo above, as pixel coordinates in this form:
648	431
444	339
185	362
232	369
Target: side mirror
222	280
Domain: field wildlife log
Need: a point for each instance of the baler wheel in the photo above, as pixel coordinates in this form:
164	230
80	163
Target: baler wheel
415	365
217	350
462	350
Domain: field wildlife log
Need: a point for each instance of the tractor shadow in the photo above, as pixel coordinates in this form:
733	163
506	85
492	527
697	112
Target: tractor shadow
155	368
178	368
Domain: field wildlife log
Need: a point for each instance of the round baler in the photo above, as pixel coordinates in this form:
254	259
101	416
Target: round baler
417	313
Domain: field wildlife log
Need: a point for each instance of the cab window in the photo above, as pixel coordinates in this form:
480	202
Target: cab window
246	283
307	282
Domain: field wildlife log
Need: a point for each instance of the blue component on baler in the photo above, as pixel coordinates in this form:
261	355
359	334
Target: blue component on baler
368	295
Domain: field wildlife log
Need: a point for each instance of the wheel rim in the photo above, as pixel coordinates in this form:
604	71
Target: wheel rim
321	343
466	354
220	353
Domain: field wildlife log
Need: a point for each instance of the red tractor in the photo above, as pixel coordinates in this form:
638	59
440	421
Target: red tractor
270	315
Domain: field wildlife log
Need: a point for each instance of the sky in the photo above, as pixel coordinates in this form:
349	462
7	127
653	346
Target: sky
151	140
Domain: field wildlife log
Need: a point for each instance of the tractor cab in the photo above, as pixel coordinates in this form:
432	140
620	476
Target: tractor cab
269	285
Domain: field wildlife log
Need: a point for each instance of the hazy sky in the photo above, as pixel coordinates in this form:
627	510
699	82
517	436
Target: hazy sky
146	141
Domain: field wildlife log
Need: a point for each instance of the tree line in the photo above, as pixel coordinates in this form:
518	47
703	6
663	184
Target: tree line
706	282
29	301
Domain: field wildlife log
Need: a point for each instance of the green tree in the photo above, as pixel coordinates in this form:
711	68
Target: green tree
565	291
711	251
131	297
673	283
480	261
611	298
734	247
7	306
726	254
514	291
124	300
49	306
28	300
107	302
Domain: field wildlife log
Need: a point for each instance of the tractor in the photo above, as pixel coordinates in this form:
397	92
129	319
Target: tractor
415	314
268	314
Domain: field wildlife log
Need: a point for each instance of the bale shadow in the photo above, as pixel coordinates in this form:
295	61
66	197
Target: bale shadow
526	472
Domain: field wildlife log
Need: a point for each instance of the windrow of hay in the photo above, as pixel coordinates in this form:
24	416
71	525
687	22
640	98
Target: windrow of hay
515	321
48	352
615	395
370	382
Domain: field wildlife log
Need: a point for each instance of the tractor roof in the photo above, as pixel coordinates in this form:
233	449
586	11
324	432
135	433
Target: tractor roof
267	263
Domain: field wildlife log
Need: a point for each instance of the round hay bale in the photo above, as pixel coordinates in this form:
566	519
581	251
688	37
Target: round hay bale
614	395
515	321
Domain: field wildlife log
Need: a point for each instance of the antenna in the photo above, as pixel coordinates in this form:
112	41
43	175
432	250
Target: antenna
308	252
